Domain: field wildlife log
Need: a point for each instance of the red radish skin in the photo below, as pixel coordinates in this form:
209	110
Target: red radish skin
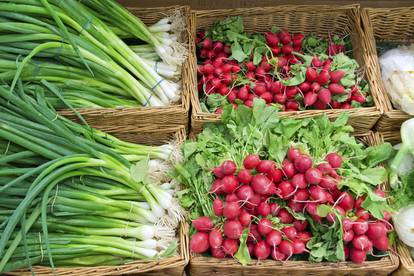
254	235
296	206
302	163
300	225
230	247
280	98
287	49
274	238
298	247
271	39
218	207
315	87
328	183
346	201
318	194
357	256
245	193
382	243
231	198
261	184
229	184
311	74
376	230
265	166
232	229
337	75
347	224
310	98
217	253
304	87
228	167
199	243
264	226
203	224
290	232
251	161
324	96
336	89
334	160
292	154
323	78
362	214
277	255
263	209
286	189
301	195
299	181
348	236
304	236
275	175
215	238
244	176
245	219
362	243
358	202
261	250
231	210
254	201
250	247
285	217
313	176
360	227
286	248
316	62
207	43
218	172
216	187
274	209
288	168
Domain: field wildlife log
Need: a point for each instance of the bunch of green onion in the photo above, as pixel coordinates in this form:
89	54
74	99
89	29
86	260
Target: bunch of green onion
81	47
72	195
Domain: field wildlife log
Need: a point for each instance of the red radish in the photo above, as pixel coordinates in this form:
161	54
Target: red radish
199	242
231	97
218	172
276	51
250	247
347	224
280	98
382	243
223	90
319	105
290	232
346	106
379	192
310	98
336	104
215	238
291	92
254	201
251	75
249	103
202	224
288	168
293	153
232	229
245	219
267	97
243	93
218	207
265	65
362	214
275	174
311	75
301	195
336	75
229	183
285	217
259	88
304	87
299	181
228	167
207	43
362	243
271	39
313	176
261	250
318	194
274	209
263	209
324	95
358	98
357	256
286	248
208	69
316	62
348	236
328	183
325	168
231	210
251	161
265	166
217	253
260	73
360	227
315	87
230	247
297	39
358	202
346	201
264	226
245	193
231	197
235	69
336	88
244	176
261	184
323	77
304	236
376	230
334	160
300	225
277	255
332	217
292	105
218	62
346	252
286	189
273	238
254	235
298	246
218	46
276	87
302	163
287	49
250	66
284	36
296	206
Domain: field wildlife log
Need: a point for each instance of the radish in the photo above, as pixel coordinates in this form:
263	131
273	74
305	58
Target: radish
243	93
346	201
323	78
285	217
296	206
260	74
274	209
277	255
235	68
244	176
286	189
218	207
297	39
217	253
324	96
261	250
253	202
245	193
382	243
287	49
245	219
250	66
276	50
254	235
292	154
251	161
328	183
231	210
280	98
376	230
202	224
300	225
259	88
301	195
199	242
346	106
315	87
336	88
318	194
379	192
325	168
286	248
232	97
362	243
207	43
230	247
299	181
284	36
273	238
334	160
232	229
229	184
316	62
231	197
298	246
358	98
319	105
313	176
248	103
291	92
311	75
275	174
218	72
304	87
208	69
336	75
267	97
264	226
310	98
215	238
288	168
276	87
302	163
304	236
347	224
250	247
292	105
360	227
357	256
261	184
265	166
271	39
362	214
290	232
263	209
358	202
218	172
346	252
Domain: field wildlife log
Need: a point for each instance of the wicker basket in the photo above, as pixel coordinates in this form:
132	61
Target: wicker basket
321	20
173	266
177	114
200	265
386	25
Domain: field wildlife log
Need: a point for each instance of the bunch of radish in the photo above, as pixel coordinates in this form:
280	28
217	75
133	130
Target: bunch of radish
267	199
240	83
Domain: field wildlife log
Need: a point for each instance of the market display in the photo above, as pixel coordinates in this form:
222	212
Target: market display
291	70
81	47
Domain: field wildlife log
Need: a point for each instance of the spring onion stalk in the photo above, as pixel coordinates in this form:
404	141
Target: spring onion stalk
80	194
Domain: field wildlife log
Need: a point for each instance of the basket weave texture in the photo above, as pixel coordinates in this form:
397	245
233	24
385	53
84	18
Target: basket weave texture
321	20
386	25
175	114
200	265
173	266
